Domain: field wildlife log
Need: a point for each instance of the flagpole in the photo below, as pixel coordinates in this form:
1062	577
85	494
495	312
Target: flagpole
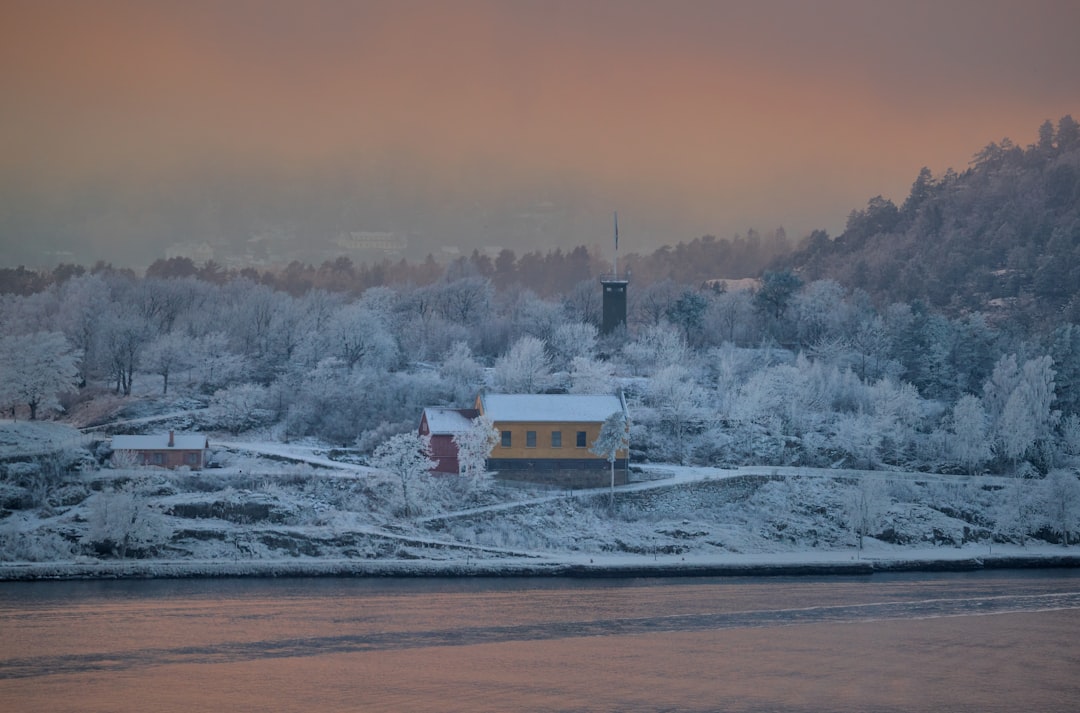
615	262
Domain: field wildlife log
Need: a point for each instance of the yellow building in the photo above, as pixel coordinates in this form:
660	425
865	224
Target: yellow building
549	432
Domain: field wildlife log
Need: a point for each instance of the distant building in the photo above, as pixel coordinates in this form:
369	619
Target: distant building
550	434
738	284
442	424
198	253
372	241
171	450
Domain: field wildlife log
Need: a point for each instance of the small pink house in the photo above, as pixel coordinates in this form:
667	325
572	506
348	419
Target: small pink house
172	450
442	424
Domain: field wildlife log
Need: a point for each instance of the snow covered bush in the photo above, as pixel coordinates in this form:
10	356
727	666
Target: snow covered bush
122	520
22	541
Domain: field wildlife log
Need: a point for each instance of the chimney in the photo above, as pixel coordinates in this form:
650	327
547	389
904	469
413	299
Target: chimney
172	441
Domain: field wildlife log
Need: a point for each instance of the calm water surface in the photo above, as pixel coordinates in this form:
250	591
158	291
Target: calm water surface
999	641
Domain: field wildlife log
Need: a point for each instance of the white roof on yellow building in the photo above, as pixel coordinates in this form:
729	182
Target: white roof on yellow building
574	408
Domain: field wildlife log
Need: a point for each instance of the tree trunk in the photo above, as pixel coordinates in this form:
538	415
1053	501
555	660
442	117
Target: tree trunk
405	497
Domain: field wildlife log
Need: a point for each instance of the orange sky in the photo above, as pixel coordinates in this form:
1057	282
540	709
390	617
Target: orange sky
125	126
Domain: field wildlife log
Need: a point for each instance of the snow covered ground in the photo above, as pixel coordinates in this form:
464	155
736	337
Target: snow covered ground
302	508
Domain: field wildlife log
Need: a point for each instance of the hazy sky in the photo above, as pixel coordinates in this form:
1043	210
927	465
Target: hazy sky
127	126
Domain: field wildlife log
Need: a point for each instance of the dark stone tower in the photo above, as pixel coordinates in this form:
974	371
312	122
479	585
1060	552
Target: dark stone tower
614	303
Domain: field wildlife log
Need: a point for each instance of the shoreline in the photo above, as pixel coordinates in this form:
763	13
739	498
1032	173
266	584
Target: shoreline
214	569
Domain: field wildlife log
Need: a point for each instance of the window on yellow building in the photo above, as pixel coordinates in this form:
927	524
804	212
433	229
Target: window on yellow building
556	439
506	439
530	439
581	439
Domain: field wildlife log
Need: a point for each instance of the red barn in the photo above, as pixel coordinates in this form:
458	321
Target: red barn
442	424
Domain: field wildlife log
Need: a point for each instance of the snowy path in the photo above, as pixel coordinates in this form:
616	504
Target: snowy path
310	455
667	476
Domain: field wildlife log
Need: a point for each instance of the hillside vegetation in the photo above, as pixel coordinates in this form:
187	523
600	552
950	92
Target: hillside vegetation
1002	237
974	371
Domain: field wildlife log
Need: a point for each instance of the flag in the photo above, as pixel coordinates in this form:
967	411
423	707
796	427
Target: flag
616	230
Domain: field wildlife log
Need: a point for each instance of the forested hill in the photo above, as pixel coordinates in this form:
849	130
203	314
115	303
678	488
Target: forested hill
1003	237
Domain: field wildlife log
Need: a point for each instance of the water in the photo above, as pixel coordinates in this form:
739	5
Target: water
986	641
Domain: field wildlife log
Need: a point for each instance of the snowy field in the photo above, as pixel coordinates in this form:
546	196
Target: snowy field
302	508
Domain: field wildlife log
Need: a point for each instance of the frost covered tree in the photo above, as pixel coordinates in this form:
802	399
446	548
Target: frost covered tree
997	389
1018	402
591	376
650	305
656	347
572	341
121	520
241	407
871	350
524	369
125	334
529	314
1061	501
757	413
1027	416
213	364
83	304
465	301
474	446
688	313
820	311
406	456
858	435
462	372
167	355
677	399
614	439
1017	506
1016	431
36	368
359	336
898	411
968	441
773	299
868	501
1069	445
730	317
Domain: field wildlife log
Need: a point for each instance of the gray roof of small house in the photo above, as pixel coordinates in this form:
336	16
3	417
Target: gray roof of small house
449	420
572	408
160	442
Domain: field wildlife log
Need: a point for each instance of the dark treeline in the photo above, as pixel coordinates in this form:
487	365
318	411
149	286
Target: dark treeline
550	273
1002	238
